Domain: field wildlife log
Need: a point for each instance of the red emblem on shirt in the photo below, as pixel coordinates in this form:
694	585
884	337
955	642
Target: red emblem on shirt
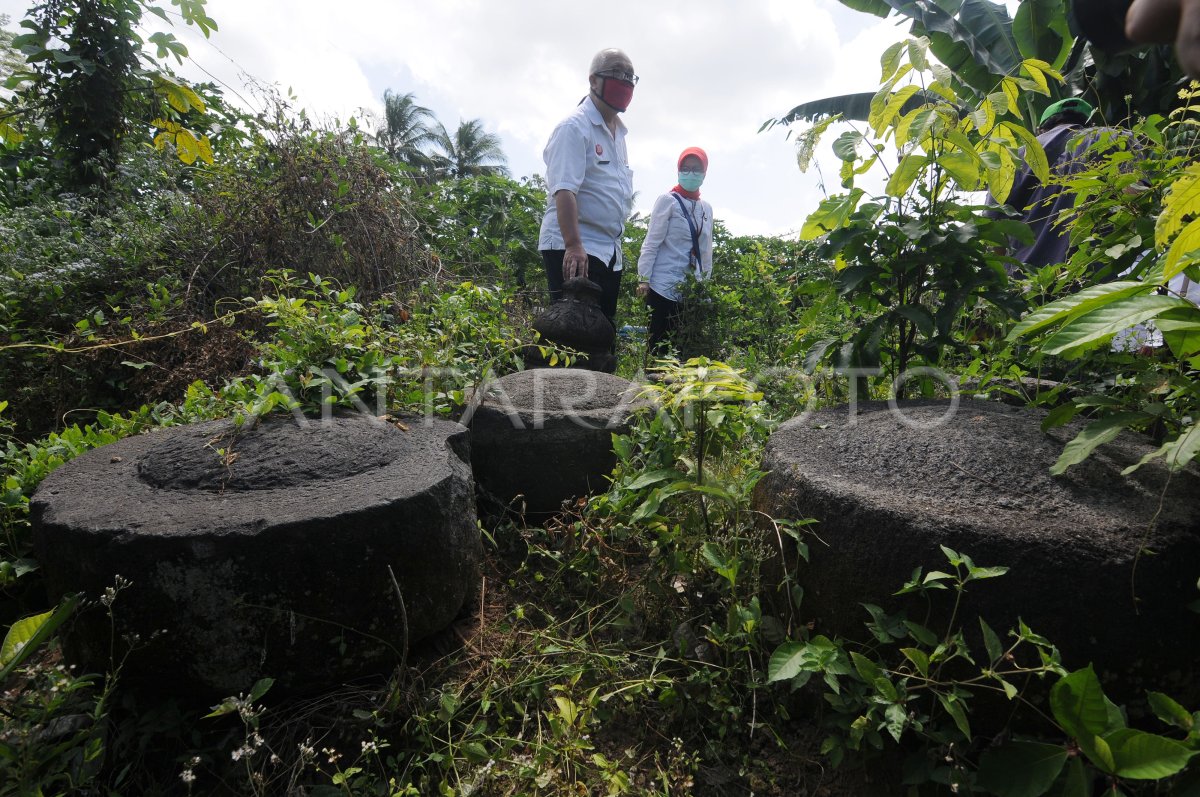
599	150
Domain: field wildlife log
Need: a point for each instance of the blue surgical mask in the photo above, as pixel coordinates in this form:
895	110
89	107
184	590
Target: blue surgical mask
690	181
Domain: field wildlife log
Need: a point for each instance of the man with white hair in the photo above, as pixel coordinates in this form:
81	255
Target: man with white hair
590	184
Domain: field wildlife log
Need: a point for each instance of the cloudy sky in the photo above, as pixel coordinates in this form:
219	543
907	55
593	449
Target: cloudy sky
712	71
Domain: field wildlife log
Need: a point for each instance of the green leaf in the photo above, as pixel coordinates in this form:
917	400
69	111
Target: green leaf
976	44
868	669
476	752
648	507
26	635
890	106
1178	256
1093	328
1099	753
1181	202
712	490
1035	156
919	659
260	688
1146	756
788	661
713	555
952	556
831	214
1182	336
622	446
906	173
652	477
889	62
962	167
1020	769
180	97
1041	31
977	573
1075	304
921	633
1080	707
1060	415
1094	435
915	127
1183	449
920	316
1076	783
877	7
990	641
895	718
1170	712
954	708
850	107
846	145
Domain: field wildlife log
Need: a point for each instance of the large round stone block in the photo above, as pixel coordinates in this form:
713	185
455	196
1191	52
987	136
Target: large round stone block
264	551
546	434
889	486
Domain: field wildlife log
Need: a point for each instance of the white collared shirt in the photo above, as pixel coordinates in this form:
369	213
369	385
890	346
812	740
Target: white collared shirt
584	158
668	243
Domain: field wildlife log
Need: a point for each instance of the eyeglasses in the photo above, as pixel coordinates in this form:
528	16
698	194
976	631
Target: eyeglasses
693	172
619	74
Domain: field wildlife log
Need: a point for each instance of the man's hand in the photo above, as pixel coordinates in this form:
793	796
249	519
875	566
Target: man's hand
1162	21
575	262
643	290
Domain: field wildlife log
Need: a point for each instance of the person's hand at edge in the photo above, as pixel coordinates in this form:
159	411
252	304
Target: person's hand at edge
1162	21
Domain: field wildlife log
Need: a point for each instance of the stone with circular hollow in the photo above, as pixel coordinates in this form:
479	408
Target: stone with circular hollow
546	434
263	551
888	488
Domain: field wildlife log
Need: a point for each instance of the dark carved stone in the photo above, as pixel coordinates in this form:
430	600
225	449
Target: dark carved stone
263	551
576	322
546	434
887	494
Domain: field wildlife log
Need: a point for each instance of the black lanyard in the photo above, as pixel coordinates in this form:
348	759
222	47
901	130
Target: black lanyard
691	228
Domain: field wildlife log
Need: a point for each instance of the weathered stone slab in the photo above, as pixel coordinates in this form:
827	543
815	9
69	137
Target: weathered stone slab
264	551
546	434
887	493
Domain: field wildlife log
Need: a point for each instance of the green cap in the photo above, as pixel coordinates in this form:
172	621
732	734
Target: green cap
1069	105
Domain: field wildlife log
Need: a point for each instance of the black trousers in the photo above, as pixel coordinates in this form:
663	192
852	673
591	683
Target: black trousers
664	320
599	272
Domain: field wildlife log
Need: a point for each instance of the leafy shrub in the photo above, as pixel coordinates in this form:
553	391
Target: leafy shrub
303	199
1135	236
916	683
486	227
326	349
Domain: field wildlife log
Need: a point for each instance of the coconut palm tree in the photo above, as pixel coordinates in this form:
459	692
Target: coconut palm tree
469	152
407	130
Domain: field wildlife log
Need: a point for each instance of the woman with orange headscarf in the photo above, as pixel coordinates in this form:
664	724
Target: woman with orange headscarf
678	245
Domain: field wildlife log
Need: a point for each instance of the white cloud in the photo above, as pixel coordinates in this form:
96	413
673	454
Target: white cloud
712	72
